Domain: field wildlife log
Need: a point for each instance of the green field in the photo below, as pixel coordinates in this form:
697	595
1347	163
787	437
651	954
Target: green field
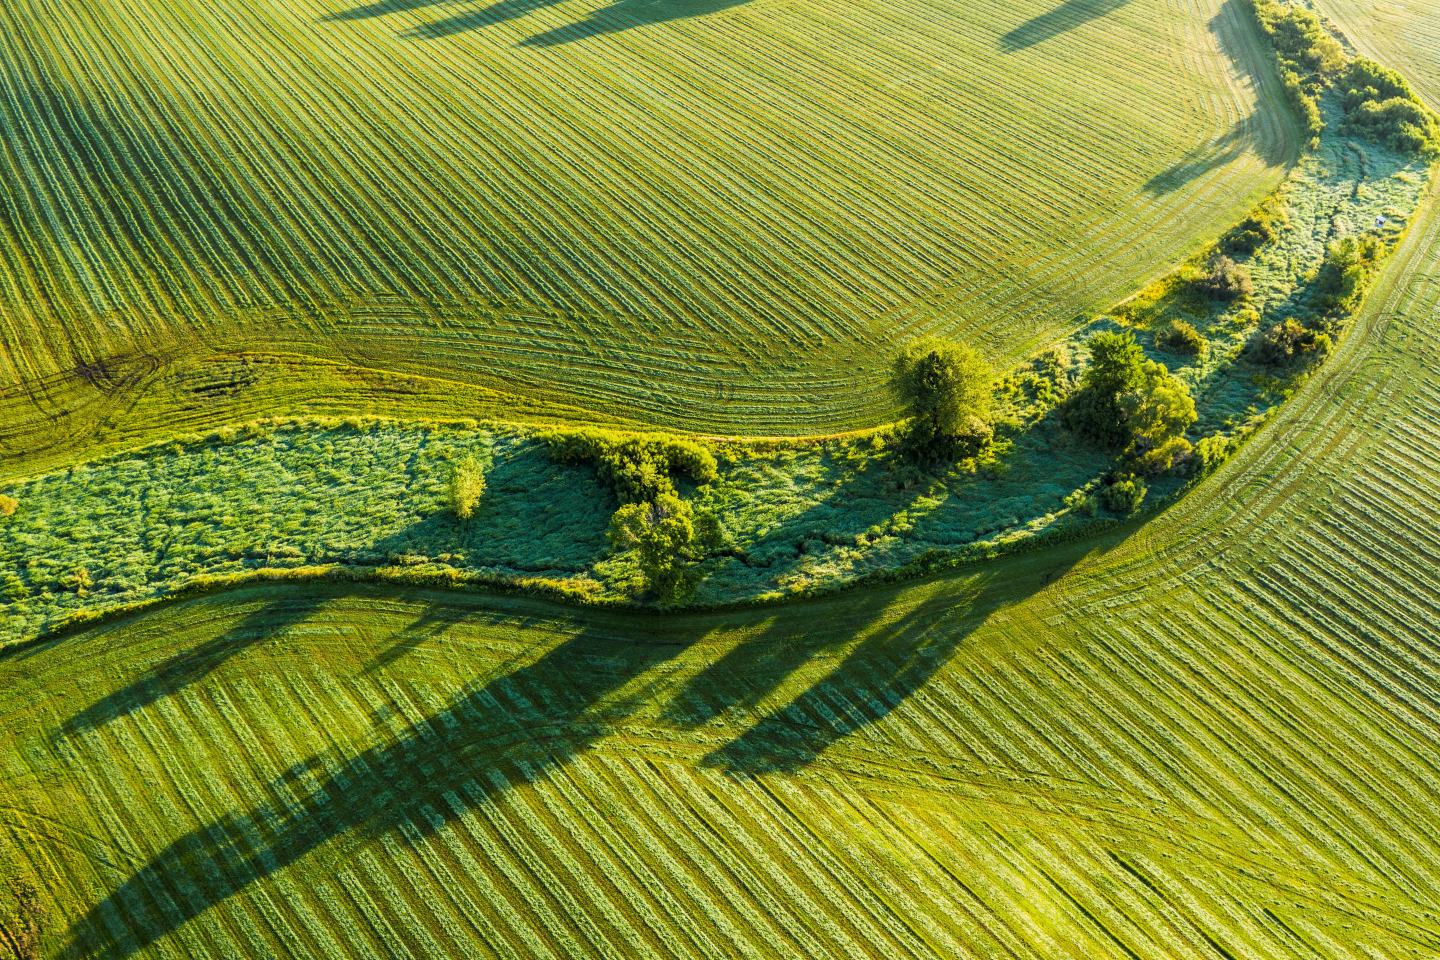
1208	732
568	203
1199	738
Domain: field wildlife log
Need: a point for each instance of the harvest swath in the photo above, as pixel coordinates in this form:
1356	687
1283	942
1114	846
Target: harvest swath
569	203
1210	735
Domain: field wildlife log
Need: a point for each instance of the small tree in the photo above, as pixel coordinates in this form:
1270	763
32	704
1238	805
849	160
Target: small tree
1157	408
467	486
8	505
949	390
668	538
1115	367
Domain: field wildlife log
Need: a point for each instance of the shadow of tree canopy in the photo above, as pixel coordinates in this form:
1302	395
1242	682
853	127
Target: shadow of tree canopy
620	15
1245	135
188	667
520	715
1064	18
537	715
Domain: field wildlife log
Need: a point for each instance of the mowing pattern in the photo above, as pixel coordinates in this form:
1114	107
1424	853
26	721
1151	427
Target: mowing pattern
715	215
1215	739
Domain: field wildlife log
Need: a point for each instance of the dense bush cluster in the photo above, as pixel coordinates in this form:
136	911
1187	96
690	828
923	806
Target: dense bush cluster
1124	494
667	535
948	389
1180	336
1309	58
1284	341
1129	403
638	467
1225	281
1380	106
1349	264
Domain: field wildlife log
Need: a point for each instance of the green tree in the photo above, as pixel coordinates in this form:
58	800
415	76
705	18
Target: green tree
949	390
1115	367
1127	402
467	486
668	538
1156	408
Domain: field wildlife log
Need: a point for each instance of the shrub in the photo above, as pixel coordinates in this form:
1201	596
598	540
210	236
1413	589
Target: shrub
1289	339
948	389
1213	450
78	580
466	487
1082	502
1175	454
8	505
1226	281
1380	106
1124	494
1344	274
638	467
1181	337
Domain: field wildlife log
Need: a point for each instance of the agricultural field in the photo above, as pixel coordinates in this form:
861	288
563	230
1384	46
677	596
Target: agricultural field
274	278
1198	737
559	205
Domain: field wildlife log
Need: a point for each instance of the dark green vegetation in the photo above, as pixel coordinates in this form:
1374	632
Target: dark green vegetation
1207	735
948	391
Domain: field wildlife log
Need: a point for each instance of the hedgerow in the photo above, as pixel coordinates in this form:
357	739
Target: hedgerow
1308	57
638	467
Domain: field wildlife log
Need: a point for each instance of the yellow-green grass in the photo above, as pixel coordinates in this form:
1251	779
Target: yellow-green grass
1210	737
715	216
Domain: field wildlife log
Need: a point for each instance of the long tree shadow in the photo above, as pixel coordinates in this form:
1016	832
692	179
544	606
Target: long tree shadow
542	713
188	667
620	15
478	19
537	715
1232	21
876	676
382	8
1064	18
623	15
